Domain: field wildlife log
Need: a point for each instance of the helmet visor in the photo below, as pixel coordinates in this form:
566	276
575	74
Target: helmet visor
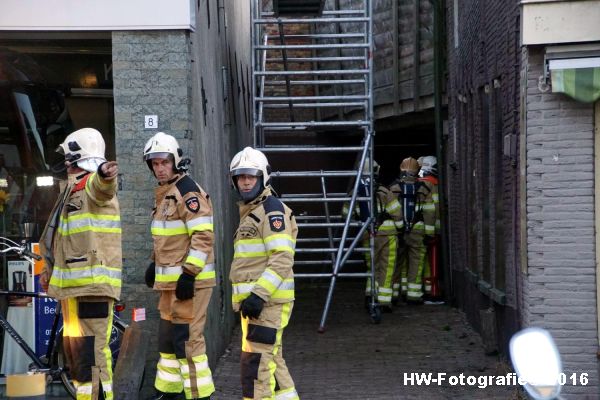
246	171
150	156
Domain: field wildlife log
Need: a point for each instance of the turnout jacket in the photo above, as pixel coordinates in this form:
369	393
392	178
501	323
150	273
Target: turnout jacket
86	240
389	212
182	232
264	246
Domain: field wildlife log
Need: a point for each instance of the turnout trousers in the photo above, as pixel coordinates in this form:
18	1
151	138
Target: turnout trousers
183	365
263	369
87	323
411	264
386	248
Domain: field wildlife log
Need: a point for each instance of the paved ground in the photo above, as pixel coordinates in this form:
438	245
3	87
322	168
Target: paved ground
355	359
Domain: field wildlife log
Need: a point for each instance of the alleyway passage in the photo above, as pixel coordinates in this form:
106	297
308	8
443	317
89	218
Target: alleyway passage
355	359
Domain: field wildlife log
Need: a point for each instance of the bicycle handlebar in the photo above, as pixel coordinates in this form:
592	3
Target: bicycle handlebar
32	255
20	249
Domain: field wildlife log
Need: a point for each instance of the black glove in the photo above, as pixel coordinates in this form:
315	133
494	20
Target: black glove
185	287
150	275
252	306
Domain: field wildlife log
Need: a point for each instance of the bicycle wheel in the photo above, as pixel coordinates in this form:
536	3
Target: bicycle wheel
59	360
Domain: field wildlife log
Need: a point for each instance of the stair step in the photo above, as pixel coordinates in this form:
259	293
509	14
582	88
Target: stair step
309	20
313	72
303	174
312	149
304	125
329	250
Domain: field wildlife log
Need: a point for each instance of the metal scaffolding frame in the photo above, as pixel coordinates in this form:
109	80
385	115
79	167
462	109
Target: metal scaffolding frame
276	64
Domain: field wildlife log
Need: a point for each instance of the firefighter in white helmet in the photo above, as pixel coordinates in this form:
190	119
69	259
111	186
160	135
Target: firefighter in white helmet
428	175
81	244
182	270
262	277
419	227
388	220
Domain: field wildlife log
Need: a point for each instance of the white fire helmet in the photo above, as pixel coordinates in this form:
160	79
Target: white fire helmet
85	148
250	162
162	145
428	166
366	167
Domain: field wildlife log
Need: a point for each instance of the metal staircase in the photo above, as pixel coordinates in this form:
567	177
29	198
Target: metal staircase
313	117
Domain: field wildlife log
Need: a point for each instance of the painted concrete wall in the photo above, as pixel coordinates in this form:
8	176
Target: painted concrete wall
193	81
559	289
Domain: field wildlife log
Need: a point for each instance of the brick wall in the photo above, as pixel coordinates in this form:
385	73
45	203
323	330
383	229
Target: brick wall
197	84
482	181
560	285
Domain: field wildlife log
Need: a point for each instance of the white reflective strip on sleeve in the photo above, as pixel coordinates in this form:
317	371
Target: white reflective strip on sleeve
242	288
199	221
287	284
279	242
208	268
169	270
414	286
271	277
168	224
198	254
249	248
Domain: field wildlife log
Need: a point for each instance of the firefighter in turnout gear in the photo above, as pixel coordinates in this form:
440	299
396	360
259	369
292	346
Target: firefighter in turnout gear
418	208
262	278
81	244
182	270
388	222
428	175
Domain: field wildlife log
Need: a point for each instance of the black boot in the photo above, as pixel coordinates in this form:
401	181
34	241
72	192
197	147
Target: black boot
164	396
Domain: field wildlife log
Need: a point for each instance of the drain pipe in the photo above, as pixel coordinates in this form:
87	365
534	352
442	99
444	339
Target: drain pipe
438	79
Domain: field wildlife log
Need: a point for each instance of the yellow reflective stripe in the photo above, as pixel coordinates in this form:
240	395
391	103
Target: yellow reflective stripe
208	272
197	258
248	248
280	242
242	290
269	280
168	228
392	206
107	223
171	274
168	374
92	280
200	224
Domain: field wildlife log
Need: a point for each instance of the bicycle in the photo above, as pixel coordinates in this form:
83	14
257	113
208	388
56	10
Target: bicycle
53	363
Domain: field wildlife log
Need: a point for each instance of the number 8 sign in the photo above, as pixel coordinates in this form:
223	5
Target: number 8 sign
151	121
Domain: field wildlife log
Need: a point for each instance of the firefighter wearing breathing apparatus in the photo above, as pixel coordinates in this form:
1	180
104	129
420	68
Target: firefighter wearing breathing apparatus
81	244
182	270
388	221
262	278
429	176
418	208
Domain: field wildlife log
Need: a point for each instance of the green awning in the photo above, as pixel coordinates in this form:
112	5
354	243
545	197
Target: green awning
582	84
